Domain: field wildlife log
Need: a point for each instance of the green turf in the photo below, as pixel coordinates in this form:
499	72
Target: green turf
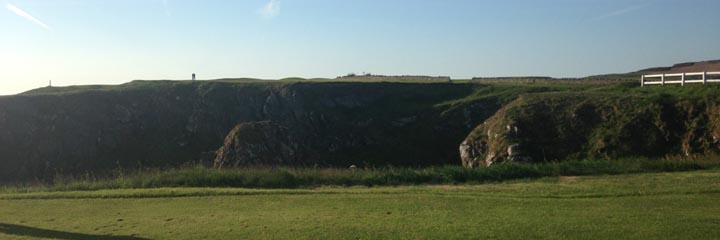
641	206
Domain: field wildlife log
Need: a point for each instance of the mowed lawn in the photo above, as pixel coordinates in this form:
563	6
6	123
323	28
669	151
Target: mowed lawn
682	205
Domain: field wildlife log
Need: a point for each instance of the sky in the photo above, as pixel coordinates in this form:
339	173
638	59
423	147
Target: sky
78	42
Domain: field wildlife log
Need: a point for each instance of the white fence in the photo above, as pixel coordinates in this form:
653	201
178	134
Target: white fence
680	78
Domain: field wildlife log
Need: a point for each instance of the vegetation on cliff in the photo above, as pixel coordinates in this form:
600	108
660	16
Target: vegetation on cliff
99	130
606	123
164	124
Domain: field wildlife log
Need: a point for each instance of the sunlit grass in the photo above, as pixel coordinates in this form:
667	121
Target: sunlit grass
681	205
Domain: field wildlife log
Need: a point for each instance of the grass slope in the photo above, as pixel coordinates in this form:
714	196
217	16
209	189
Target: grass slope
642	206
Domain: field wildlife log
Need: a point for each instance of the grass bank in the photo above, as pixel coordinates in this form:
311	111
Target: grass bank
289	178
679	205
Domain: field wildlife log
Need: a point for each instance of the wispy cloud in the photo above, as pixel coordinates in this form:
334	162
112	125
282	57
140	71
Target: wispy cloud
26	15
620	12
270	9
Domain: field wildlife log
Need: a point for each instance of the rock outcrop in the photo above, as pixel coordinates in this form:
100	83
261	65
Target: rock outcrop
260	144
99	130
559	126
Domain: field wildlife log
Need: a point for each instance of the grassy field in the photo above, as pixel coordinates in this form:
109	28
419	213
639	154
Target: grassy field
681	205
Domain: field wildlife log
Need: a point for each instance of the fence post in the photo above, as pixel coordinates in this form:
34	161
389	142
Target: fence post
682	83
642	80
704	78
662	79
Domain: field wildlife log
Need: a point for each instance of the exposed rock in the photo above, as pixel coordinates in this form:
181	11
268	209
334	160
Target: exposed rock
168	124
514	150
468	155
558	127
516	154
474	154
258	144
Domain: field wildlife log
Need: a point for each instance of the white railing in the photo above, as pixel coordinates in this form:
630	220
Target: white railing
662	79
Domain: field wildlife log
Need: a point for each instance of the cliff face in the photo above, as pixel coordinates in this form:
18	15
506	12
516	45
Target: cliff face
163	124
90	131
558	126
97	130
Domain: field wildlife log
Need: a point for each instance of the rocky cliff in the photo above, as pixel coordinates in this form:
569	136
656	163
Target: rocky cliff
558	126
94	130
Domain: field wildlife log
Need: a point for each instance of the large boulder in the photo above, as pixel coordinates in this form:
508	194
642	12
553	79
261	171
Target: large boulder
560	126
259	144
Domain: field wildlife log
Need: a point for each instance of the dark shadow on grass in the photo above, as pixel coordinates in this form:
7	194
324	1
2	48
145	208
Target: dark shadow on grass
25	231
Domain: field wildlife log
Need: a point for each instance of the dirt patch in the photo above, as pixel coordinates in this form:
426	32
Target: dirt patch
568	178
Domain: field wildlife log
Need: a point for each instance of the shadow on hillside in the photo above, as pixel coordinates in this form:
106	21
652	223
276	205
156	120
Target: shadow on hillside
25	231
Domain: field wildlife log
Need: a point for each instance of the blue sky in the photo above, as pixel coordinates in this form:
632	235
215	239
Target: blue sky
114	41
